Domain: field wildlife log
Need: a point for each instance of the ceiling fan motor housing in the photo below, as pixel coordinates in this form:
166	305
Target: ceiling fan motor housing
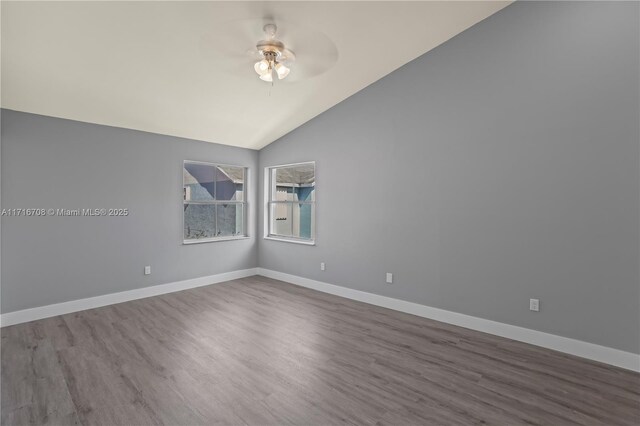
267	46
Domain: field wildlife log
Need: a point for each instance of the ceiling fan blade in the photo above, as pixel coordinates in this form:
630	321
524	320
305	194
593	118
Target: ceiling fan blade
309	66
213	46
315	53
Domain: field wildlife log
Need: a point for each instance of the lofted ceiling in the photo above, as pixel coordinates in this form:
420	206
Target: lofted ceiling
181	68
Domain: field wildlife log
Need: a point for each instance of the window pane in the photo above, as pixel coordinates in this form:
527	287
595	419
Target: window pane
229	183
230	220
305	214
296	182
198	181
199	221
284	193
293	220
305	193
281	219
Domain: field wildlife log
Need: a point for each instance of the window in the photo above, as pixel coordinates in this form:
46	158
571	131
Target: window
214	202
291	202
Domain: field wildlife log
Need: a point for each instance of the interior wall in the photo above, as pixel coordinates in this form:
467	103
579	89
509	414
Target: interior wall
54	163
499	167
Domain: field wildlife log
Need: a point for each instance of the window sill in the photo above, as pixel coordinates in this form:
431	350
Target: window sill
213	240
291	240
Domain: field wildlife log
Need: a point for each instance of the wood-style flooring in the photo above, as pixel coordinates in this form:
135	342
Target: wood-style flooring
262	352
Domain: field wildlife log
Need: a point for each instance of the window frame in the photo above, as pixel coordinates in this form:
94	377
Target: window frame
269	186
244	203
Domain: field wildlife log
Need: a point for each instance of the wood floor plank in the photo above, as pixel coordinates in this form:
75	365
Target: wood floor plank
33	385
257	351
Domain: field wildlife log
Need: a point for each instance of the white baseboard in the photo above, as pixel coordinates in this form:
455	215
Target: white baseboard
579	348
26	315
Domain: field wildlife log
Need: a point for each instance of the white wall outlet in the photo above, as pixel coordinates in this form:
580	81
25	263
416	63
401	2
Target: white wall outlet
389	278
534	305
147	270
322	267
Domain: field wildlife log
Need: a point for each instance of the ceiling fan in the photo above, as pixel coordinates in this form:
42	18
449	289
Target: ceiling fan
272	54
276	58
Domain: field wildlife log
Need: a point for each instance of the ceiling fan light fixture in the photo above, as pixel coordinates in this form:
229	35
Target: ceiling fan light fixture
282	71
267	77
274	55
262	67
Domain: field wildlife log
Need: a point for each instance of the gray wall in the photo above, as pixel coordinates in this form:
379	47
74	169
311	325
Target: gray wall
54	163
502	166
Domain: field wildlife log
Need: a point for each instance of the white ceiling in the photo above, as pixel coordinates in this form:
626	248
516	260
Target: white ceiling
155	66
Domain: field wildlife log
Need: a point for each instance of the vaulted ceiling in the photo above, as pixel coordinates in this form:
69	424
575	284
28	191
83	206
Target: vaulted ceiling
181	68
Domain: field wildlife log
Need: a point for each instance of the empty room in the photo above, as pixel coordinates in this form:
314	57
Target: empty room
316	213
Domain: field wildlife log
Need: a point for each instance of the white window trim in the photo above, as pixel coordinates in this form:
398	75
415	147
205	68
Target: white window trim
304	242
213	240
244	203
267	211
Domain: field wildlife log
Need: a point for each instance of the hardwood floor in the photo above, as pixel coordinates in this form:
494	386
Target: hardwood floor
262	352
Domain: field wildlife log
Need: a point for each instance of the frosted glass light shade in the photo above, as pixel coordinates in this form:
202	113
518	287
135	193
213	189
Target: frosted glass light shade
262	67
282	71
267	77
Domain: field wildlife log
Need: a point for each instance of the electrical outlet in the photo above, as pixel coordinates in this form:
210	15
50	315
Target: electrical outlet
534	305
322	267
389	278
147	270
